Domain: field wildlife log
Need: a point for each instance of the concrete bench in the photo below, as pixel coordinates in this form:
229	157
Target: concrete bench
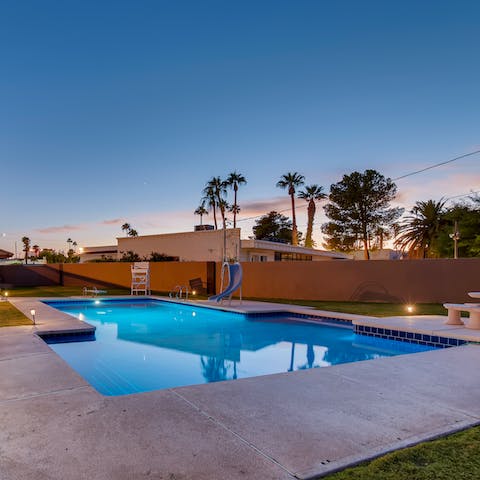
454	317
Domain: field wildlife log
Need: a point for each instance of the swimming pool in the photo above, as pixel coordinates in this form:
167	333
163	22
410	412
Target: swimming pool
148	344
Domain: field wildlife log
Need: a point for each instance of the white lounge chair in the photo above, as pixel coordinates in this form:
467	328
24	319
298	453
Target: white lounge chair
94	291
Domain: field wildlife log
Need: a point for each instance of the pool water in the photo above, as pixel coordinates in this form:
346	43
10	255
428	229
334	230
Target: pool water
147	345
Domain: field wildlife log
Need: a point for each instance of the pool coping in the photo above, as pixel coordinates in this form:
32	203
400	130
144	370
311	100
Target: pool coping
206	401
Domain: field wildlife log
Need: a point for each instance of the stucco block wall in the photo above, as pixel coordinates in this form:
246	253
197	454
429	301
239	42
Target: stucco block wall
164	276
426	281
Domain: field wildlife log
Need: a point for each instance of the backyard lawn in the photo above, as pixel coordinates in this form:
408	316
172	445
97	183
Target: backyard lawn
10	316
359	308
454	457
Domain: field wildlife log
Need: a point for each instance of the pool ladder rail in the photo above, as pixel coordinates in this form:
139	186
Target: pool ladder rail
178	291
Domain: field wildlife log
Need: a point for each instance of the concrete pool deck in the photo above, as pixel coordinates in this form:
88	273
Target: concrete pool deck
300	424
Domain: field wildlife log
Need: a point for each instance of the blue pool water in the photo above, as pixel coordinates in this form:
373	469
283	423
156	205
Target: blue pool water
147	345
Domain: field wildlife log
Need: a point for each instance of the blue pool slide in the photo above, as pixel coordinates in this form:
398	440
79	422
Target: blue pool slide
236	276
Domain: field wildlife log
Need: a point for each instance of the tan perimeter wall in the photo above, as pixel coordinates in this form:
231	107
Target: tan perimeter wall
425	281
435	281
164	276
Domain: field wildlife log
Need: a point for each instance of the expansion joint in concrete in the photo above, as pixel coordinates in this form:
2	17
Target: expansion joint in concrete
235	434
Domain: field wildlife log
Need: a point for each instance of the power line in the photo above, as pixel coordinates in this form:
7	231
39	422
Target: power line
394	179
437	165
463	195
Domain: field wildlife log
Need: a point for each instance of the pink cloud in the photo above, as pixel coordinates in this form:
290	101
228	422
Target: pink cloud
114	221
62	229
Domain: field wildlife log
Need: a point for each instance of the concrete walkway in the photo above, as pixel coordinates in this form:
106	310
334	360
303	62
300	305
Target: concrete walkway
293	425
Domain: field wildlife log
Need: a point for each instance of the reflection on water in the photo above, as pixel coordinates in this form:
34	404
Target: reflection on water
156	345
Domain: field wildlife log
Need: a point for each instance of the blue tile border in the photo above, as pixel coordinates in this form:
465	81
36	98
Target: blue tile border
409	337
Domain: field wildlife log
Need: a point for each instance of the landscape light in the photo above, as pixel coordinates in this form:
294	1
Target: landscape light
410	308
32	313
194	292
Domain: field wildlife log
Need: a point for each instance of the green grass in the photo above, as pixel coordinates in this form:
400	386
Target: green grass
11	317
57	291
454	457
359	308
365	308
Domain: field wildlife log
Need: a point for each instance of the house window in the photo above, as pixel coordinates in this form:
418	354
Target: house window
287	256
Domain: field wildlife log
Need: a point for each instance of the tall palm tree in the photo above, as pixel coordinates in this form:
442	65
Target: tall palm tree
420	229
69	241
26	247
218	188
311	193
292	181
132	233
36	250
201	210
233	180
210	200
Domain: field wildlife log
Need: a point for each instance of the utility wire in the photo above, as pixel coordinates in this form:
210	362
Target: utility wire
437	165
476	152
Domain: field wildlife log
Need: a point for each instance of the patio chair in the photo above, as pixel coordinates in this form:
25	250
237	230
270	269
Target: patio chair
197	286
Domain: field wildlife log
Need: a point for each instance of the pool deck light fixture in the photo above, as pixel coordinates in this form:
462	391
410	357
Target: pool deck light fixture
32	313
410	308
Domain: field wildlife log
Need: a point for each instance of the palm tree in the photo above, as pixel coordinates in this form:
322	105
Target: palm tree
234	180
26	247
74	245
201	210
216	188
36	250
69	241
132	233
311	193
126	227
291	181
210	200
420	229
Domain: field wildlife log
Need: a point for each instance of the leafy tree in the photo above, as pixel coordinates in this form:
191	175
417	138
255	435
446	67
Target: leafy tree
310	194
359	205
419	231
26	247
201	210
274	227
234	180
52	256
291	181
467	217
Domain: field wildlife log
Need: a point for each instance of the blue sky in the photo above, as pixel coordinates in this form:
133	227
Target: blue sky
116	112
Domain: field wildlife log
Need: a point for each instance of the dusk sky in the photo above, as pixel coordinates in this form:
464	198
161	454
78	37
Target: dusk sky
114	112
